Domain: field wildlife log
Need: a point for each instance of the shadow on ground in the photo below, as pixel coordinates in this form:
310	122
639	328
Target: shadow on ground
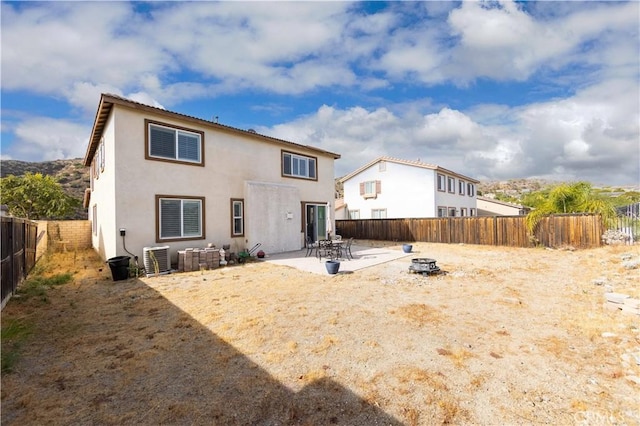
120	353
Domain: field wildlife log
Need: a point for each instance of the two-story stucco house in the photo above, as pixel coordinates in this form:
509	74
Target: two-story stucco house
166	179
393	188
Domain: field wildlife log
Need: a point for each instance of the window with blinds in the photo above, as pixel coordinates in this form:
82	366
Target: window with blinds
174	144
179	218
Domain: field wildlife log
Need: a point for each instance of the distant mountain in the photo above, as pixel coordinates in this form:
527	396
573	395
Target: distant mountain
71	174
74	179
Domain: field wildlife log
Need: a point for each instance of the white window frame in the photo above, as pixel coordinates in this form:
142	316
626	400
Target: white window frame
101	150
451	185
354	214
237	217
184	201
94	220
299	166
442	211
471	190
461	186
177	132
378	213
451	210
472	212
442	182
91	178
369	188
463	212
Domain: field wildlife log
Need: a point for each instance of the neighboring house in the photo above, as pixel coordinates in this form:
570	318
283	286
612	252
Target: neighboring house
393	188
168	179
492	207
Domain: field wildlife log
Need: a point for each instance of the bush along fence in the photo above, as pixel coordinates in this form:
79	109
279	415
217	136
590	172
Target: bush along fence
19	241
574	230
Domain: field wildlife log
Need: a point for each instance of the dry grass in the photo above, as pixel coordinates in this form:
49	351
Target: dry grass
264	344
420	314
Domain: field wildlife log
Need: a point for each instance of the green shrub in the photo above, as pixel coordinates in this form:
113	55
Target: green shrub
12	333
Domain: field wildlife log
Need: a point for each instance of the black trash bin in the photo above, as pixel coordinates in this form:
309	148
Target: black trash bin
119	267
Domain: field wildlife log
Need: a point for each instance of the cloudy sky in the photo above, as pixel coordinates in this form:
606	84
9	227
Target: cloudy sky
495	90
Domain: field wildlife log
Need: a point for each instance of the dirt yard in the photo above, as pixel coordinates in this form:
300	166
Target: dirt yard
502	336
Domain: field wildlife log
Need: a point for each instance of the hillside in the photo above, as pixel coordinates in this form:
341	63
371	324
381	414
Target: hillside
74	178
71	174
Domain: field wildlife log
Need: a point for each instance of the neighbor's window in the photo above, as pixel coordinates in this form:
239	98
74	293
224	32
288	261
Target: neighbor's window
442	182
471	190
472	212
299	166
382	166
179	217
370	189
378	213
174	143
452	211
461	186
451	184
354	214
442	212
463	211
237	217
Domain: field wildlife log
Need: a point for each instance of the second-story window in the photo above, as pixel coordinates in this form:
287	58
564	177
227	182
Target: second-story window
174	144
442	182
299	166
371	188
451	184
471	190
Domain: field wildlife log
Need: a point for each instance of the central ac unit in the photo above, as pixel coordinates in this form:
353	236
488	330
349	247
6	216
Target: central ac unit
156	260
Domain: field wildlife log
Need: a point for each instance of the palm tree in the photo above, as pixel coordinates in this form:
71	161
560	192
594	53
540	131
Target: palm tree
571	198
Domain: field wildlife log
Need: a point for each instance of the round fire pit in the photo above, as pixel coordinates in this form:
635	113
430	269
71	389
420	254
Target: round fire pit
424	266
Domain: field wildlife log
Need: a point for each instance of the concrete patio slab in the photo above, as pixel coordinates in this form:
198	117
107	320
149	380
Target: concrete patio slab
363	257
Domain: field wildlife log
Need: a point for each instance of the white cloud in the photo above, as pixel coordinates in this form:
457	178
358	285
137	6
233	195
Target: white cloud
44	139
591	136
170	52
502	41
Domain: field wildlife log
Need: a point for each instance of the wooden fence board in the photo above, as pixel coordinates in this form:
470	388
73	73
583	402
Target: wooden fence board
19	239
579	231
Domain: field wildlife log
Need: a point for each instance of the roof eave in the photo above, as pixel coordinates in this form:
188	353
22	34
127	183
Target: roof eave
106	105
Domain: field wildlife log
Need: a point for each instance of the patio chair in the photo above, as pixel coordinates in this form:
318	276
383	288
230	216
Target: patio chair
311	246
325	249
347	249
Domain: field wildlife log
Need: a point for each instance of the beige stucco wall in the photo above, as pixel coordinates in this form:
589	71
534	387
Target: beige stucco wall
125	192
490	208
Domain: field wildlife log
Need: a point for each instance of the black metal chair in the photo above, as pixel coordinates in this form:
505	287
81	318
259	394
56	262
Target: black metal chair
311	246
347	249
325	249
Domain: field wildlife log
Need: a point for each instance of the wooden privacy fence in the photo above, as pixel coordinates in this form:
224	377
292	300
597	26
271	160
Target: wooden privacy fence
19	239
576	230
